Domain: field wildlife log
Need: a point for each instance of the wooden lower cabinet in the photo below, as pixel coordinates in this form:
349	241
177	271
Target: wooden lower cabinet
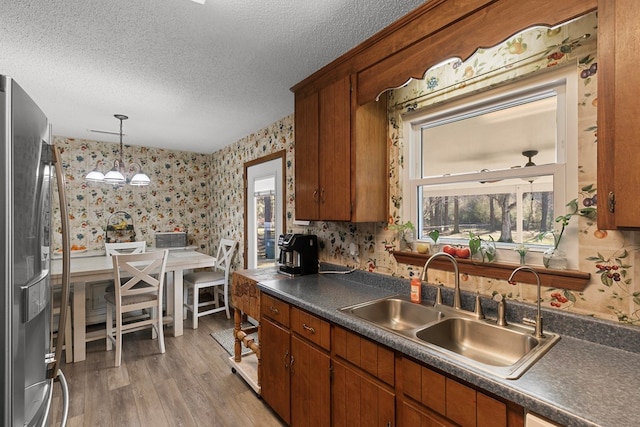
275	360
414	416
295	368
317	374
435	399
358	401
310	385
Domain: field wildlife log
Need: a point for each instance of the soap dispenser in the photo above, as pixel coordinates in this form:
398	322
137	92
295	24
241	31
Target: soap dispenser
416	290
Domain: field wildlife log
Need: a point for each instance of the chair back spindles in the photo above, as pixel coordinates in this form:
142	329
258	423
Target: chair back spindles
124	248
141	282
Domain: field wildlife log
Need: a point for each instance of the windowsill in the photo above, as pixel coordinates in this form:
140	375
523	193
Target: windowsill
566	279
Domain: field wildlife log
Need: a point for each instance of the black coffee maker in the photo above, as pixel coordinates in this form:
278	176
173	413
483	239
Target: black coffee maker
298	254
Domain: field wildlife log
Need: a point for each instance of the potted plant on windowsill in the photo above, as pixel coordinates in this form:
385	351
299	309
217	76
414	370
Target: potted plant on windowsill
406	235
434	235
554	257
482	250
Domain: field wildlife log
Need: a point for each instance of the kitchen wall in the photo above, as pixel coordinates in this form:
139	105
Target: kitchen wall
205	192
227	184
179	195
608	295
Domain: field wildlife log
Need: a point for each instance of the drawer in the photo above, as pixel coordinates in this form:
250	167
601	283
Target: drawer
274	309
312	328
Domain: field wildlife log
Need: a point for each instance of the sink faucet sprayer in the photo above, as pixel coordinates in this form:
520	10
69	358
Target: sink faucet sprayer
456	294
538	331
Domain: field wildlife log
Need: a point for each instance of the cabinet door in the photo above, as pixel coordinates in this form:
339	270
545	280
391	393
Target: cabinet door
306	159
461	403
334	151
410	415
618	111
357	401
310	385
490	412
274	365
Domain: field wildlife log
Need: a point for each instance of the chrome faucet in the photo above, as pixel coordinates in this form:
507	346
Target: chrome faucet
456	292
538	331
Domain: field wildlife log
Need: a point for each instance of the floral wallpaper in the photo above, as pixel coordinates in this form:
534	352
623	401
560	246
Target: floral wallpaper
177	198
227	184
610	256
205	194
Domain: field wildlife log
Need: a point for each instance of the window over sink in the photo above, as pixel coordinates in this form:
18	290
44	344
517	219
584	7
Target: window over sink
501	164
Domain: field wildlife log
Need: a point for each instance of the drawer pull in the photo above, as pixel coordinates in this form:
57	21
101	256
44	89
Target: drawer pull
274	310
308	328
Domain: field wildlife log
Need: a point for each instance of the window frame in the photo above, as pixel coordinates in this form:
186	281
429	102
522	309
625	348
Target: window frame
565	80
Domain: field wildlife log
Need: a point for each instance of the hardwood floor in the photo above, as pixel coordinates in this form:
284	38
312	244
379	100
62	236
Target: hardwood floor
190	385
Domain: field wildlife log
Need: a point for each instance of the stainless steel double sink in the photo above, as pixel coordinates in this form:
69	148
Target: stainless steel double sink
505	351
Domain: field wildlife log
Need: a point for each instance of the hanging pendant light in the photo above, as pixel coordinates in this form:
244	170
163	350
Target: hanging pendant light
117	176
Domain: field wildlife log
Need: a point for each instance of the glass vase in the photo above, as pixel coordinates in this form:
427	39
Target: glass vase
523	255
407	240
522	252
486	252
555	259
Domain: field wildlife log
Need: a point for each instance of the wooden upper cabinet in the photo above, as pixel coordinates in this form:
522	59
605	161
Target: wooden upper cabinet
618	112
341	116
322	133
306	159
341	164
334	151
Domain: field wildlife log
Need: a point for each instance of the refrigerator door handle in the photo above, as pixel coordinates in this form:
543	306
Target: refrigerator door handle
65	401
45	419
66	260
65	398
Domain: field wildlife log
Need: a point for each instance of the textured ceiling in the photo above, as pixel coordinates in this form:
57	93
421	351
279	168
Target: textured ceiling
189	76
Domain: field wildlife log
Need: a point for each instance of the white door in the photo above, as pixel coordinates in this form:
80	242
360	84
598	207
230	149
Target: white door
264	212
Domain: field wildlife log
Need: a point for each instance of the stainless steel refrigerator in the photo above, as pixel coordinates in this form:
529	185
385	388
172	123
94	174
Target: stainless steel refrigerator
29	369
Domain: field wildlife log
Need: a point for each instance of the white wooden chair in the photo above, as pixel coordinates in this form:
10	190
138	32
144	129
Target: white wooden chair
124	248
147	270
219	277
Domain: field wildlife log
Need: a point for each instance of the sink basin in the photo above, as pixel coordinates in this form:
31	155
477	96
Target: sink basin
504	351
395	314
479	341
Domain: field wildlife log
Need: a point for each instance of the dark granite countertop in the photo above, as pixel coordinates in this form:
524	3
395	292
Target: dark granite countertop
579	382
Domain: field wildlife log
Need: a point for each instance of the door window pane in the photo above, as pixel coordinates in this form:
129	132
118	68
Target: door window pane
265	210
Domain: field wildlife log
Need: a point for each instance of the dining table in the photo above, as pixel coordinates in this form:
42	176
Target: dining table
94	267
